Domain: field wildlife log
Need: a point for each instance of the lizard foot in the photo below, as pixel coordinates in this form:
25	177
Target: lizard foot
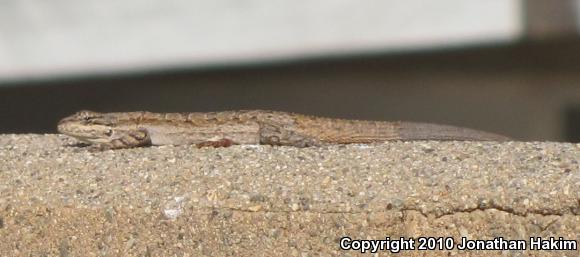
224	142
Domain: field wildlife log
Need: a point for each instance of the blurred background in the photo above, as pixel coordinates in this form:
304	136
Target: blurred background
505	66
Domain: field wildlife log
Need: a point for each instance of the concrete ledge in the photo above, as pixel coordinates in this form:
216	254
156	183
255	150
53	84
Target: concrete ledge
58	200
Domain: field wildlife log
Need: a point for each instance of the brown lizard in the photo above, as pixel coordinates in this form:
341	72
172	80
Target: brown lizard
133	129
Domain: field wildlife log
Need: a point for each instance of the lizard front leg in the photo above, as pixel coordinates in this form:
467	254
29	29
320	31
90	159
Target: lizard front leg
127	139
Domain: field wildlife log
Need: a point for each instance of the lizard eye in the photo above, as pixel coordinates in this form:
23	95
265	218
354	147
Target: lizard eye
109	132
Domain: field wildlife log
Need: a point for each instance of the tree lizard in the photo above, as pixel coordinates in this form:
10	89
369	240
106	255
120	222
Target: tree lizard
134	129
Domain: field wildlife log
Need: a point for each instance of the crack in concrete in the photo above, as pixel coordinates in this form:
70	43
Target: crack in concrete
403	210
496	208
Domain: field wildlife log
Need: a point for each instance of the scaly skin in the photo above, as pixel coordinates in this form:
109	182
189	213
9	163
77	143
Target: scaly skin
133	129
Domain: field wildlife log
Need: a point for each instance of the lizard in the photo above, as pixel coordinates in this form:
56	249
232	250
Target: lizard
217	129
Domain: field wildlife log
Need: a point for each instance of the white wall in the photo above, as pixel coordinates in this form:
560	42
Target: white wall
64	37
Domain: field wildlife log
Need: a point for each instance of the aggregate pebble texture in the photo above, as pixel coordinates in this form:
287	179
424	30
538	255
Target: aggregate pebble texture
58	199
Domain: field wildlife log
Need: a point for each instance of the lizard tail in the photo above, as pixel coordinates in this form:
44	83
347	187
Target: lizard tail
427	131
359	131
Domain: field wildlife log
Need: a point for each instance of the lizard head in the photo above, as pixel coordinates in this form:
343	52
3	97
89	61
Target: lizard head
88	126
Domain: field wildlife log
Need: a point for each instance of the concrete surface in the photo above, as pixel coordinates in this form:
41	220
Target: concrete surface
61	200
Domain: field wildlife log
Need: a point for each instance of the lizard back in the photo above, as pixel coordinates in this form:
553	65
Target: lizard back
131	129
